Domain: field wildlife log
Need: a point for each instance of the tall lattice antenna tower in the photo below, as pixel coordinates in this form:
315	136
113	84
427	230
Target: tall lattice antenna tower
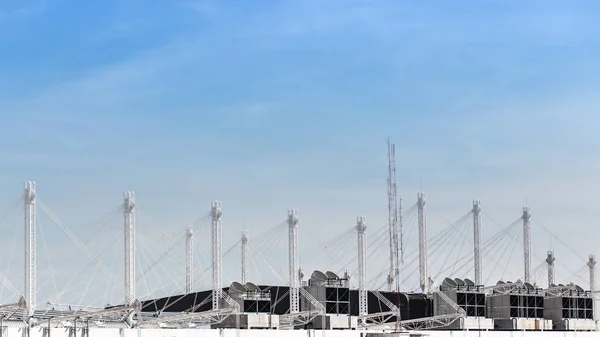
393	220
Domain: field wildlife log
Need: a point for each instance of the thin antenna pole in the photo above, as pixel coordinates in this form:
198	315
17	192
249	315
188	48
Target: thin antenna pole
396	244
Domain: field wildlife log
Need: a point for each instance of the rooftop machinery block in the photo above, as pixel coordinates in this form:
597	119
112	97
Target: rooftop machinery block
569	307
523	301
465	293
517	306
456	294
330	290
255	305
250	297
333	292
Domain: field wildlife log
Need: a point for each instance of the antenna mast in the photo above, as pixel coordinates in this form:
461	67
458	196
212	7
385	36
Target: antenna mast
393	219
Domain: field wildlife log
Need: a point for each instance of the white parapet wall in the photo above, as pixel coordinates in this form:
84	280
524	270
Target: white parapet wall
250	321
576	324
97	332
510	334
476	323
522	324
331	322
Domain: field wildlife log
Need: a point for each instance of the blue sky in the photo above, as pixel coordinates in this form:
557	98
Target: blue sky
268	105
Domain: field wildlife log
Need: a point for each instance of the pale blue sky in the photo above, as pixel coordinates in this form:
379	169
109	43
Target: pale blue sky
267	105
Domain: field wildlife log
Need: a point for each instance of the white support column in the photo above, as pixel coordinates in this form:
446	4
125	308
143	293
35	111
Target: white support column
189	263
422	223
527	243
550	261
216	213
592	265
361	227
293	261
477	241
30	243
245	253
129	207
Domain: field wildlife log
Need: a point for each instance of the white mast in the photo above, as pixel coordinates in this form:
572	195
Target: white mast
477	241
550	261
592	265
395	243
361	228
245	254
216	213
30	243
129	207
422	219
293	261
527	242
189	245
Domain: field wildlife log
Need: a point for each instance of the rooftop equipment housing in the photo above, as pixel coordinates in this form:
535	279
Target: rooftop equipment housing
465	293
330	290
569	307
250	297
524	301
517	306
